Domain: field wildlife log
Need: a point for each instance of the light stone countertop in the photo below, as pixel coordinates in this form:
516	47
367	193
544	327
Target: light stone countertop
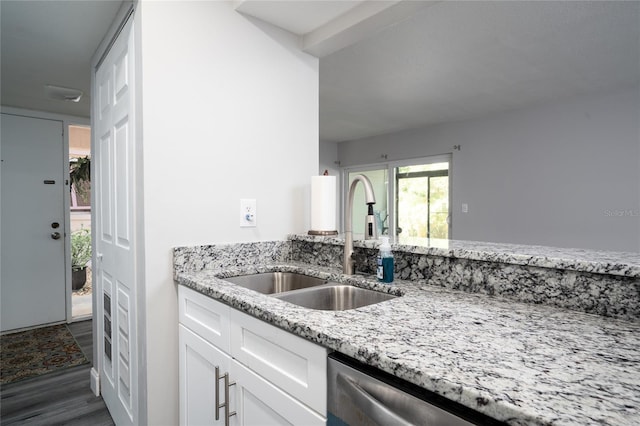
625	264
520	363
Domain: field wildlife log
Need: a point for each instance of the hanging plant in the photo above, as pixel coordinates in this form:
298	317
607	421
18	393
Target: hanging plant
80	175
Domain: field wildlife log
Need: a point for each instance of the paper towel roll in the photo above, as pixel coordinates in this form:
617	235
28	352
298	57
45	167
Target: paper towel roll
323	203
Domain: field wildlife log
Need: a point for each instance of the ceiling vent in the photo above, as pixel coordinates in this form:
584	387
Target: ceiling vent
62	93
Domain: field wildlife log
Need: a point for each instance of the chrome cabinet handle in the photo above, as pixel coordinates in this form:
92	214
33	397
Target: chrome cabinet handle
225	404
218	406
55	235
374	409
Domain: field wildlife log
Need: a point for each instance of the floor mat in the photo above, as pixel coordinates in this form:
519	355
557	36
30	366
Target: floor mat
36	352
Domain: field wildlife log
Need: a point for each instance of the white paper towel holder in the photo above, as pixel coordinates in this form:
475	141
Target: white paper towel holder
322	233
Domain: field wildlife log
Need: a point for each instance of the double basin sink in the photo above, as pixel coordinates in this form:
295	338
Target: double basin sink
310	292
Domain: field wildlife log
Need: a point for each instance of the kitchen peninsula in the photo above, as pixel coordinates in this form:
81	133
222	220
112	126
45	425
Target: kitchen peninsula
509	331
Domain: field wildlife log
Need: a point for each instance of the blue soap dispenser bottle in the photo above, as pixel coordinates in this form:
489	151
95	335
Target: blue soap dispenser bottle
385	262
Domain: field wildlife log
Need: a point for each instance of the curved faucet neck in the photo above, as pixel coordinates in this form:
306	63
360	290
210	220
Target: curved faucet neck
348	263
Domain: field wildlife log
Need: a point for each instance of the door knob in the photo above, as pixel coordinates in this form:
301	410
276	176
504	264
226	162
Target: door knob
55	235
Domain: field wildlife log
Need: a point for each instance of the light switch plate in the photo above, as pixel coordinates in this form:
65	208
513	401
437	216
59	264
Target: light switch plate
248	213
465	208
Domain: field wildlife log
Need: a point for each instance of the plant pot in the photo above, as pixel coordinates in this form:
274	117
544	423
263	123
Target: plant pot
78	278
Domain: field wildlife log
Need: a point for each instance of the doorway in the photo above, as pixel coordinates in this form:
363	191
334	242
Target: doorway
80	221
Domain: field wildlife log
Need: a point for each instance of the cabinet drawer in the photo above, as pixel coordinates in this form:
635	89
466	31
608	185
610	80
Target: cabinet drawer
205	316
259	403
290	362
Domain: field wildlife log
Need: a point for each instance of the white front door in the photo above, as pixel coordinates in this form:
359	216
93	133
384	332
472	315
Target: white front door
114	233
32	287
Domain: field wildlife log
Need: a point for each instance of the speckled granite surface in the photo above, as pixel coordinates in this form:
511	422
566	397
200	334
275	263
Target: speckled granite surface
523	363
197	258
593	261
614	291
520	363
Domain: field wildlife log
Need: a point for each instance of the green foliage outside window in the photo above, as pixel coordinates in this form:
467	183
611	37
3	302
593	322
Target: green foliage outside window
423	201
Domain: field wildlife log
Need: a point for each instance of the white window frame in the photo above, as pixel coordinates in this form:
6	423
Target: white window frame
391	186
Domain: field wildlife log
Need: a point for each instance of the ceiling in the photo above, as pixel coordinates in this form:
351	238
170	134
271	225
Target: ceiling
426	62
458	60
50	43
299	16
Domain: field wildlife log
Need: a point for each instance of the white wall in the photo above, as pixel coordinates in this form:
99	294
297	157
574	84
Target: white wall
229	111
565	174
329	158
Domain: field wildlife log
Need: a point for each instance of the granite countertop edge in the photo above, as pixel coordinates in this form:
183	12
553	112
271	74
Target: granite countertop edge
427	364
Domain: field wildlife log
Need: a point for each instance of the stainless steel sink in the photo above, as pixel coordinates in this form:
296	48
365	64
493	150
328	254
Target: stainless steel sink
334	297
275	282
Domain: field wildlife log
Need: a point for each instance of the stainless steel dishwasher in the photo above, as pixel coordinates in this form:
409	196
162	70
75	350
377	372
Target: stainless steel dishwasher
360	395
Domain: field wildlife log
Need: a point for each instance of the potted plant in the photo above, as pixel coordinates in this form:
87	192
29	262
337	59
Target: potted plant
80	256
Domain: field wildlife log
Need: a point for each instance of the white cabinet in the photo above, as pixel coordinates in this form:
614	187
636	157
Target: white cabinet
260	403
274	377
295	365
205	317
198	381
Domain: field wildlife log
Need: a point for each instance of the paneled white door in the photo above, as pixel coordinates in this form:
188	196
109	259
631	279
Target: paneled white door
32	286
114	233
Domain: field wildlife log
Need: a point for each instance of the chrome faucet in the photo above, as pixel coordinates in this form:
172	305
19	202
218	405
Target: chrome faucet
371	231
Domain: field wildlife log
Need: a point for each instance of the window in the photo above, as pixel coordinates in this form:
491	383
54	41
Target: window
420	194
422	200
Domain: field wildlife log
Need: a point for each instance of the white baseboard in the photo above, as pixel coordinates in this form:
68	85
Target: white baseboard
95	382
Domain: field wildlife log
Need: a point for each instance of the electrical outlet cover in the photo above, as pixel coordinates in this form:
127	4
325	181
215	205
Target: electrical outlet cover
248	213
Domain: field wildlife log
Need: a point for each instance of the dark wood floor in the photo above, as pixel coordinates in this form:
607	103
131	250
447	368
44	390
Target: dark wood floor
62	398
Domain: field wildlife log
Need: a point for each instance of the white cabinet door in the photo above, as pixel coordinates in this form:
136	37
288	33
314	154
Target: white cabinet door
198	382
259	403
